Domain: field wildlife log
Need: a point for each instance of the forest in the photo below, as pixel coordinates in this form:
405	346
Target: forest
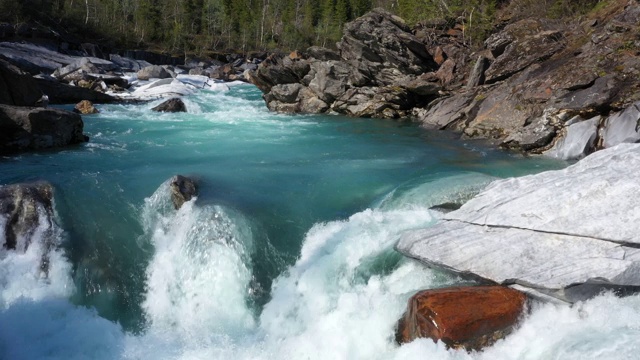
201	26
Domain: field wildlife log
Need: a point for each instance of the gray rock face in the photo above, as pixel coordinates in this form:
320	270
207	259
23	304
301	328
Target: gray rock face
533	232
171	105
60	93
78	69
24	128
522	44
17	87
153	71
183	189
379	41
377	72
127	64
25	209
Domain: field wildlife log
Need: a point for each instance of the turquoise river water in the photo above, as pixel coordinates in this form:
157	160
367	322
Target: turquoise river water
287	252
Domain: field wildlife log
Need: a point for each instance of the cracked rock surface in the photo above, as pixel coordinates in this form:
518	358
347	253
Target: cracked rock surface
547	232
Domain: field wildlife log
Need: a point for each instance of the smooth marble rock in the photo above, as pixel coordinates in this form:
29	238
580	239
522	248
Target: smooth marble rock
623	127
594	198
569	234
578	142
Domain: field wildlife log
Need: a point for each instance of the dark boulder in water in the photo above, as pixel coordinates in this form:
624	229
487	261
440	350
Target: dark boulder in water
28	210
26	128
183	189
171	105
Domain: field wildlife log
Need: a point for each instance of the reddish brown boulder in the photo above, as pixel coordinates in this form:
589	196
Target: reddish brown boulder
468	317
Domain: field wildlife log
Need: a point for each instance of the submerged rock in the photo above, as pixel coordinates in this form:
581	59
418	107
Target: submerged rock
171	105
25	209
183	189
547	232
462	317
24	128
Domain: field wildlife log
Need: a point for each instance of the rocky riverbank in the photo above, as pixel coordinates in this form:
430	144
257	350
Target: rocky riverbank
539	85
85	76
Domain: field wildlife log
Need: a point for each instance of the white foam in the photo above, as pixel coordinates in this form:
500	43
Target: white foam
198	279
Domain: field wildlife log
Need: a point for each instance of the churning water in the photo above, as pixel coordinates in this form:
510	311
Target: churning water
287	253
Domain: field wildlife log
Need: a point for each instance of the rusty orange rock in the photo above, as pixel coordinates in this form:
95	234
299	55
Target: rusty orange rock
468	317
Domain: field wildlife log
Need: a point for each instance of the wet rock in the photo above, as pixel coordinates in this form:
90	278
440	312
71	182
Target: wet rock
17	87
25	128
446	111
153	71
85	107
224	72
462	317
28	214
622	127
577	141
171	105
183	189
534	136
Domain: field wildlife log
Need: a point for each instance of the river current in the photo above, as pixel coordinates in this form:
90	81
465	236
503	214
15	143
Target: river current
287	252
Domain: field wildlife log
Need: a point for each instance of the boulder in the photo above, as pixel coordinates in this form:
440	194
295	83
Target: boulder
153	71
28	211
80	68
380	41
388	102
25	128
577	141
622	127
85	107
171	105
60	93
223	72
532	232
331	79
17	87
462	317
183	189
127	64
477	74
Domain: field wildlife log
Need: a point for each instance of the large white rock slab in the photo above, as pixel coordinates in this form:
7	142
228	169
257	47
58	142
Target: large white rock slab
531	259
597	197
568	234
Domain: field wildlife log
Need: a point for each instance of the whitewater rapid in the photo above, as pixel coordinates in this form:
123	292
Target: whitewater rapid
338	286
